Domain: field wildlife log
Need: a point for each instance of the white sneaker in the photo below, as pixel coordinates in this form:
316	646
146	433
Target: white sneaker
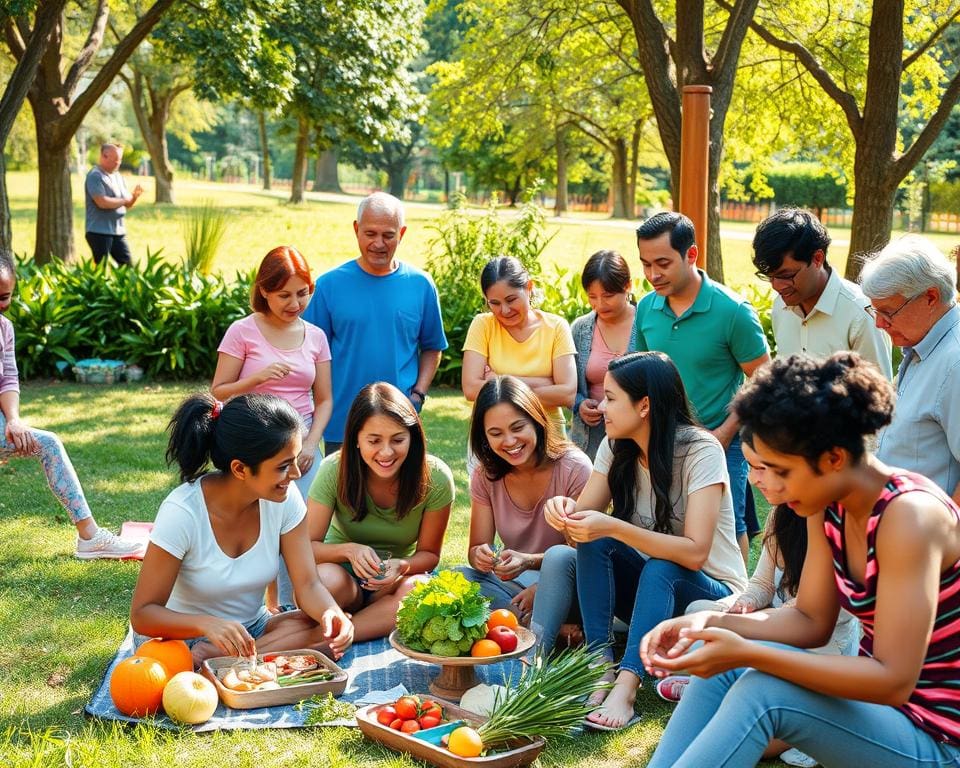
107	545
796	757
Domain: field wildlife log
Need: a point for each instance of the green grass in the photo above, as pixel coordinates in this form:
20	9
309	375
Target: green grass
63	619
322	229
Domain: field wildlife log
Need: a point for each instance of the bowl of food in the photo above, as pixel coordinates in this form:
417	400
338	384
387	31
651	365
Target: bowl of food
274	679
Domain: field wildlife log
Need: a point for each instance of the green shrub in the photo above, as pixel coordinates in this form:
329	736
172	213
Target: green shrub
762	300
464	242
164	317
203	232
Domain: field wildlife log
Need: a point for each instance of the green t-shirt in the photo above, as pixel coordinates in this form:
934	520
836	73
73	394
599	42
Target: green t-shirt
707	344
380	528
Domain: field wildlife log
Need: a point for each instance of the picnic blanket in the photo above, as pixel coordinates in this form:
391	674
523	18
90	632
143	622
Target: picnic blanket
372	667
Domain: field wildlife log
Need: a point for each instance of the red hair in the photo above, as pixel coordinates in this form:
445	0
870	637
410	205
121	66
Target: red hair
278	266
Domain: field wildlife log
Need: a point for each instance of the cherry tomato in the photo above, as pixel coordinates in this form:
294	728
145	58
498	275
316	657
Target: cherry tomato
410	726
407	707
426	704
396	724
429	721
386	715
433	711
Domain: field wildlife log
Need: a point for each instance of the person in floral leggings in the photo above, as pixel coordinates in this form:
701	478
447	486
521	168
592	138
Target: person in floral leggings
17	439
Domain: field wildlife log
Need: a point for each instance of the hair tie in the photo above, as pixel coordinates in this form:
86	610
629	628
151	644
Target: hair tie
215	411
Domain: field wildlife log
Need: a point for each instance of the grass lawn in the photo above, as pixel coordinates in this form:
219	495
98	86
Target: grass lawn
63	619
322	228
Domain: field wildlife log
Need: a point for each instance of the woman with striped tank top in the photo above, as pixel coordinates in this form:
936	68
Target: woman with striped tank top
883	543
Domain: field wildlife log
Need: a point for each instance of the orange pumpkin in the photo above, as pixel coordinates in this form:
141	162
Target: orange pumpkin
136	686
173	654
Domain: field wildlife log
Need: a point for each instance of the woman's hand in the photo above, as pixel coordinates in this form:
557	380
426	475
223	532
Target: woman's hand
484	558
557	510
231	637
488	373
271	372
587	525
589	412
511	564
744	604
364	560
665	642
394	569
337	631
21	438
721	651
523	600
308	454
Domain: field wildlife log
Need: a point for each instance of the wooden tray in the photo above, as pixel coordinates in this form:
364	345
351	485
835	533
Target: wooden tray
278	696
457	673
522	754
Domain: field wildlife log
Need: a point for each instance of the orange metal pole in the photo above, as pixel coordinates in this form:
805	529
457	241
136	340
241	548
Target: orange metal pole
695	162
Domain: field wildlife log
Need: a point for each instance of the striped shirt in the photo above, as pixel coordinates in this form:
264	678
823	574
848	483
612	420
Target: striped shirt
934	705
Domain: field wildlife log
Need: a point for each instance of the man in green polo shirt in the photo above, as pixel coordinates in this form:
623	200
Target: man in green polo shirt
712	334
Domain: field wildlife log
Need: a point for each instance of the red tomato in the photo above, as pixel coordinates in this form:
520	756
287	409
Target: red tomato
396	724
410	726
386	715
433	711
407	707
429	721
427	704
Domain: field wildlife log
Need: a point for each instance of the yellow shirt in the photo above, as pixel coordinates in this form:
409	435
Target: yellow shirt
531	357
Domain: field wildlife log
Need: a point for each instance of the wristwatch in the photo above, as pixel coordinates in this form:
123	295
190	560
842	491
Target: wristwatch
418	393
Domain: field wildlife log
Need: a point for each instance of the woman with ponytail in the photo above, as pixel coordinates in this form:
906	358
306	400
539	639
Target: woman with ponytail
218	537
671	538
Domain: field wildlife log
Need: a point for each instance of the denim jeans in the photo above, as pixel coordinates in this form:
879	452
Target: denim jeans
737	469
727	721
614	579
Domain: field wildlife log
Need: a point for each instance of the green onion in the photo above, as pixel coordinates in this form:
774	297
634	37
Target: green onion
549	700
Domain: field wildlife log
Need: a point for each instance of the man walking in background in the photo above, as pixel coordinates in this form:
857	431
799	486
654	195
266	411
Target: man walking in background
107	201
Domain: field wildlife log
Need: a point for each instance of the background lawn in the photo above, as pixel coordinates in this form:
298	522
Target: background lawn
63	619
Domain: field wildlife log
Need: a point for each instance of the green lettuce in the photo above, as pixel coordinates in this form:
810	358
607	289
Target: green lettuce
443	616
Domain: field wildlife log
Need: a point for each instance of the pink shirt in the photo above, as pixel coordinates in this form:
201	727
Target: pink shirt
9	376
600	357
526	530
245	341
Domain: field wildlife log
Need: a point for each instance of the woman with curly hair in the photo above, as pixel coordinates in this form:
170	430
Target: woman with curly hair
882	543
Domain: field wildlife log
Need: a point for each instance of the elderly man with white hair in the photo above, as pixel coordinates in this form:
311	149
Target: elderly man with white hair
381	316
913	298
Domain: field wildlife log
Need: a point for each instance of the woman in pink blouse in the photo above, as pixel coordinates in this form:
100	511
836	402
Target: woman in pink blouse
273	350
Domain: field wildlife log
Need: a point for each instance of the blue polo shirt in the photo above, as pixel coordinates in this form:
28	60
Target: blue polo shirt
707	343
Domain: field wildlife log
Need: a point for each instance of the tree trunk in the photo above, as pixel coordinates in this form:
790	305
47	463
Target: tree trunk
299	181
560	207
264	148
6	232
634	165
326	179
159	156
397	180
873	205
714	248
619	181
54	204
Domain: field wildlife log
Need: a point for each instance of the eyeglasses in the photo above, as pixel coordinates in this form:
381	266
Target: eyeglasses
780	278
887	316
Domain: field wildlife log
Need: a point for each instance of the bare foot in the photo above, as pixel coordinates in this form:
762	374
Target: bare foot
597	697
616	710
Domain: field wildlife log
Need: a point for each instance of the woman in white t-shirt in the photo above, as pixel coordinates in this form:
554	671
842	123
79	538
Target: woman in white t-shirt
217	539
671	537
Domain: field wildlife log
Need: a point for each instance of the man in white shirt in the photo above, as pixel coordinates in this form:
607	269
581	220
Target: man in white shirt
816	311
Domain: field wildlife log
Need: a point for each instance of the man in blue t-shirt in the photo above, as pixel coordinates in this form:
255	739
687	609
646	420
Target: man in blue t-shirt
381	316
107	201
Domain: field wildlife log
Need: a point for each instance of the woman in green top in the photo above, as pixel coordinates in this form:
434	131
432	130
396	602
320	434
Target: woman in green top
381	492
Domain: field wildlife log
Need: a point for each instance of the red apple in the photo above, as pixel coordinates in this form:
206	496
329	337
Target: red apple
505	637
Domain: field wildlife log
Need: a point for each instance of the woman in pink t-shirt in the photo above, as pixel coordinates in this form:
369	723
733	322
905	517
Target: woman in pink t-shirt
523	461
274	351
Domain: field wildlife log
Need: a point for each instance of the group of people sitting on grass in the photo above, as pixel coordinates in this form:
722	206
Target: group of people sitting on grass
634	519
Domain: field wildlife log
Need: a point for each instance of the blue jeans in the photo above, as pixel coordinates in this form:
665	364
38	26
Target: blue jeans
614	579
737	469
727	721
